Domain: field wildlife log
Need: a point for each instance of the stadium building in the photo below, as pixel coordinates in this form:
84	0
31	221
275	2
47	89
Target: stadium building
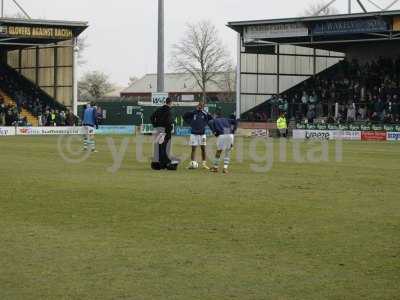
288	58
37	65
183	87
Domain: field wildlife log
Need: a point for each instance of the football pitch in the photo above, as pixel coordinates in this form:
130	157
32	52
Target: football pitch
108	227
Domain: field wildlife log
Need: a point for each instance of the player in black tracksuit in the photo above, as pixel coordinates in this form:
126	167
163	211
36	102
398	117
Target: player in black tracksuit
163	122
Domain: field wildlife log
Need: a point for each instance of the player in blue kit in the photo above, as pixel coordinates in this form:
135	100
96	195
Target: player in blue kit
90	124
198	121
224	129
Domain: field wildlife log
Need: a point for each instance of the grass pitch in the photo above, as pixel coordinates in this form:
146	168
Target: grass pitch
325	230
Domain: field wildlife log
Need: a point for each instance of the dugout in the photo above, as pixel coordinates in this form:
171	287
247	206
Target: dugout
276	55
45	53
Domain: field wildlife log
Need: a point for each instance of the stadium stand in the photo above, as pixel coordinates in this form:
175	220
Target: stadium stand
345	93
30	105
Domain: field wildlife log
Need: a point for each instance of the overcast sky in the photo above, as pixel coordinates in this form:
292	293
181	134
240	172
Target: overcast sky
122	35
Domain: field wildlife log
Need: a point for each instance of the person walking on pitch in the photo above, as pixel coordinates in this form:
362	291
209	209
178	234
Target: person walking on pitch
198	121
90	123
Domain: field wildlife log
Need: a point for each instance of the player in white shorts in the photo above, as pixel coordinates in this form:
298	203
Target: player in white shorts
198	121
224	129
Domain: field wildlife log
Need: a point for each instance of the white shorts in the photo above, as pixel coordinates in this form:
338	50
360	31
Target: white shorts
198	140
89	130
225	142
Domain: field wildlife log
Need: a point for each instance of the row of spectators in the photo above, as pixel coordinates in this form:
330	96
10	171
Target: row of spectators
349	92
28	97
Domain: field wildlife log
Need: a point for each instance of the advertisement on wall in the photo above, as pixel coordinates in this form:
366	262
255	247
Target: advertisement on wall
318	135
186	131
50	130
373	136
352	135
393	136
300	134
351	27
274	31
116	130
7	131
158	99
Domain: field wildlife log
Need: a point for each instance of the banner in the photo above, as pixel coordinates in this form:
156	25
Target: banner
393	136
36	32
158	99
351	26
299	134
373	136
50	130
351	135
318	135
146	129
186	131
7	131
274	31
116	130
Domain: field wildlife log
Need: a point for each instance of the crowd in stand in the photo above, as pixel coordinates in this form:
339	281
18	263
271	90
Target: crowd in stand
9	115
349	92
29	99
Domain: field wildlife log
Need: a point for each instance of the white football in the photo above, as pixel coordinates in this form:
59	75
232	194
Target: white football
194	165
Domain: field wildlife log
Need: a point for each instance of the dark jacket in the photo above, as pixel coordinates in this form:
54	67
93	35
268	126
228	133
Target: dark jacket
162	117
198	121
220	126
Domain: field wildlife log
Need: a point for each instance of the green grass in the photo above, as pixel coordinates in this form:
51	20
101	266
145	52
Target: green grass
301	231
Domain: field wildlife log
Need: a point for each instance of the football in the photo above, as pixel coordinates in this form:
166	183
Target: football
194	165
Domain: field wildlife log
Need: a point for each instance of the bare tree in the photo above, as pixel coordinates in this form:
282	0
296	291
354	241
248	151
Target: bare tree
94	85
202	54
314	8
82	46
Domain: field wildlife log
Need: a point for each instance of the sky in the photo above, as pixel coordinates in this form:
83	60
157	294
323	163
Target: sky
122	37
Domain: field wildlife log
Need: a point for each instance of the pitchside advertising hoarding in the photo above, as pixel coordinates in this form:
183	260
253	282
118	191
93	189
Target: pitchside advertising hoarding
50	130
7	131
373	136
326	135
393	136
38	131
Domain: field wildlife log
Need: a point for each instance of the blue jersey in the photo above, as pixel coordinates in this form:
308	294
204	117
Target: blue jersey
198	121
221	126
90	117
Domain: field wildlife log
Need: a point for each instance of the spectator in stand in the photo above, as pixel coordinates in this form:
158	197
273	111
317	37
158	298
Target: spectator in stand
2	113
311	116
62	118
351	113
70	118
362	113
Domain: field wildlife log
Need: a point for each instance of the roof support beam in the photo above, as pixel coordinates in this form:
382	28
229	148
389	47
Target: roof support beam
325	7
362	6
21	9
391	5
374	4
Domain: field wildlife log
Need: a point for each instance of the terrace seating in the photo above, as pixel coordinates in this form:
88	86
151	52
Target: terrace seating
29	98
347	92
